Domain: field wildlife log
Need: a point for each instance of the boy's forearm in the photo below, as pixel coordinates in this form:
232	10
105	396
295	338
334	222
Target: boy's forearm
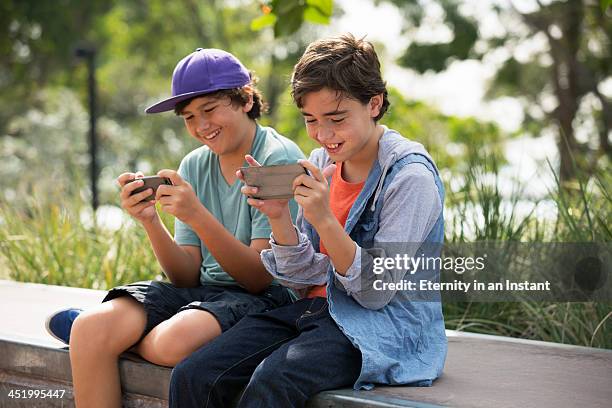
180	267
240	261
283	229
339	245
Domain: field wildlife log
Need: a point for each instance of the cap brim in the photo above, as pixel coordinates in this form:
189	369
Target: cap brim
170	103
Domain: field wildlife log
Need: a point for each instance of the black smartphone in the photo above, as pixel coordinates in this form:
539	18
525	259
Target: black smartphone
273	182
151	182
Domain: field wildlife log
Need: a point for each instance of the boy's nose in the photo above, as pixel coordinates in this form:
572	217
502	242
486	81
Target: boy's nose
325	134
202	125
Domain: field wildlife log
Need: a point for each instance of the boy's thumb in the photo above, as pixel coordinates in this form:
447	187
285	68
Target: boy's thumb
329	170
174	177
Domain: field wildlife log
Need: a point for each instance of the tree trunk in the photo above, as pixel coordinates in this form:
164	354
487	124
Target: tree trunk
565	71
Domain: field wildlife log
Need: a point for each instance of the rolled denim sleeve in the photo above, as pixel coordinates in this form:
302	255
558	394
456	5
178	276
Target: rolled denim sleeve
351	279
412	206
296	266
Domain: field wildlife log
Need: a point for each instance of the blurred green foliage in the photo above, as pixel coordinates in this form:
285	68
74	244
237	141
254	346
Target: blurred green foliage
286	17
138	43
43	130
569	60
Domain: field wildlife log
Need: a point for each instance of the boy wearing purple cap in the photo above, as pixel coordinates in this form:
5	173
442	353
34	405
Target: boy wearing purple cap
213	261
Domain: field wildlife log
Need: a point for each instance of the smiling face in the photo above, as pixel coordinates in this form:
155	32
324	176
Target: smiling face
343	126
217	123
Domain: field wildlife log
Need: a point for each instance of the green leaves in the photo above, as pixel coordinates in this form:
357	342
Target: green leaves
438	56
287	16
605	4
318	11
517	79
265	20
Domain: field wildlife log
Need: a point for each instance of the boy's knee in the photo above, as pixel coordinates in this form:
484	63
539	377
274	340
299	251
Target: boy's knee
89	329
261	375
96	330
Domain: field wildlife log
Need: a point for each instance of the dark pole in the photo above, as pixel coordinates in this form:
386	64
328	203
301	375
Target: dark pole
89	53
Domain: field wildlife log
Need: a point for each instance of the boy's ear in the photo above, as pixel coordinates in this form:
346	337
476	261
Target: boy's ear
249	105
375	104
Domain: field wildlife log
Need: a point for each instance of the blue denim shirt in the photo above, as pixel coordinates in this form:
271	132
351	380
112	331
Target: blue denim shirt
402	341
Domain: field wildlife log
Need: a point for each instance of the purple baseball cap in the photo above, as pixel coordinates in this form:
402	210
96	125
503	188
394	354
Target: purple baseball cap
203	71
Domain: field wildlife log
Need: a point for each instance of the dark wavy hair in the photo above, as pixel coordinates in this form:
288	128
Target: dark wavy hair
344	64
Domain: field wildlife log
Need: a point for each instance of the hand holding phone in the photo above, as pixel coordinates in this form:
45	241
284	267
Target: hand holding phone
152	182
277	210
272	182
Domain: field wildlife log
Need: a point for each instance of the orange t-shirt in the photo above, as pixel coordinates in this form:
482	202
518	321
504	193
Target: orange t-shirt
342	196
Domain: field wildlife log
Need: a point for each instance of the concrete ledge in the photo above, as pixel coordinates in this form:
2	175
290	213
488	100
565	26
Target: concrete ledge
481	371
26	366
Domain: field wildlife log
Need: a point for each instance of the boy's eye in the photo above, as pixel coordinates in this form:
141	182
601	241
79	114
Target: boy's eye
187	117
311	120
210	109
337	120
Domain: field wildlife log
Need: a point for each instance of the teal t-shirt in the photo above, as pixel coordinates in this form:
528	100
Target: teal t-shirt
201	169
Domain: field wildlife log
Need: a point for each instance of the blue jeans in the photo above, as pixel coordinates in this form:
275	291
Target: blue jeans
280	358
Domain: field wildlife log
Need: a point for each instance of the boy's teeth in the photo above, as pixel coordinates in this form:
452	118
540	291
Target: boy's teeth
213	134
333	146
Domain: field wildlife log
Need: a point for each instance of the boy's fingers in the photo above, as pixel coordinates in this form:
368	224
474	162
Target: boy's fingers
164	200
124	178
138	197
163	190
174	177
251	160
247	190
141	206
239	175
304	180
329	171
254	202
128	187
302	191
314	170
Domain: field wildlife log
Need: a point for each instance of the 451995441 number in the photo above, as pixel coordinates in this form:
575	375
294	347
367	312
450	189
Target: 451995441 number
29	394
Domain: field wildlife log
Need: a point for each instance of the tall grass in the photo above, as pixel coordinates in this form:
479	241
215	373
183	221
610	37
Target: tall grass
48	243
481	213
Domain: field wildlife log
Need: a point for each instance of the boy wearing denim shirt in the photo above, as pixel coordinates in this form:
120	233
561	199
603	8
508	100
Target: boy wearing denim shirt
384	188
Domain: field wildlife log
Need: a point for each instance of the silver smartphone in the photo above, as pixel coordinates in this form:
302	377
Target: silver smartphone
273	182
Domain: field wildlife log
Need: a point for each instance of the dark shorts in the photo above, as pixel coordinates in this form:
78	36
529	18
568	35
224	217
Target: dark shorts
229	304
